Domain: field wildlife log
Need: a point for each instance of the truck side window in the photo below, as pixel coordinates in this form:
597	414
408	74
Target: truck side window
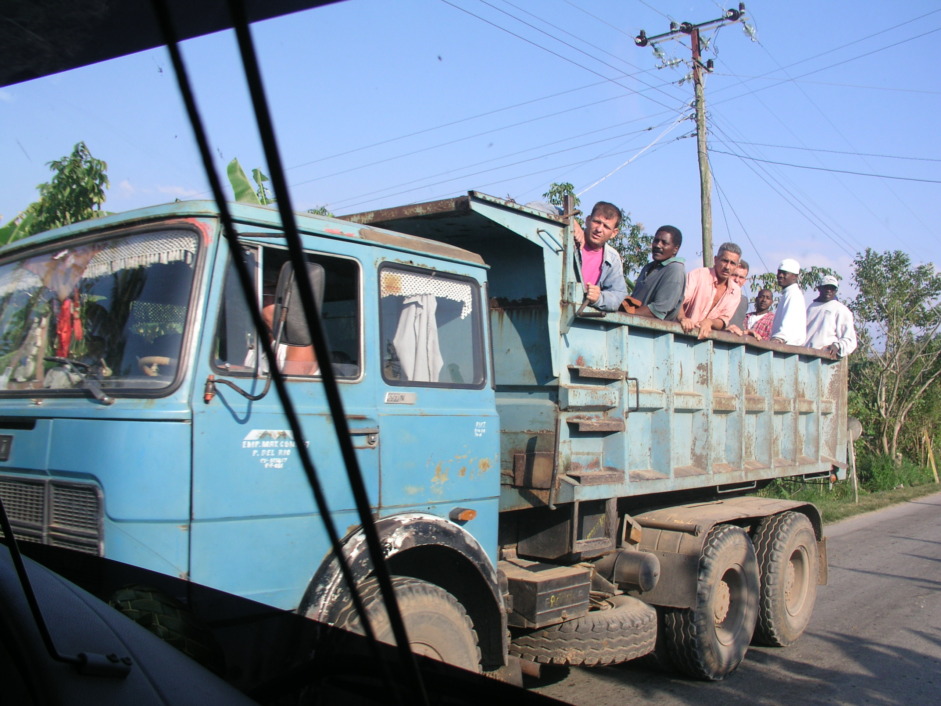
237	347
430	328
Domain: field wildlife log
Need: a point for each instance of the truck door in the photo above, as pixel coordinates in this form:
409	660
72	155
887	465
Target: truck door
440	435
256	531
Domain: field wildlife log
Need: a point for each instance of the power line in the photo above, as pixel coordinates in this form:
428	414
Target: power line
836	129
560	56
648	5
565	31
880	33
464	175
600	19
793	201
450	124
451	142
624	164
768	77
725	199
825	169
824	150
829	66
556	168
453	123
807	201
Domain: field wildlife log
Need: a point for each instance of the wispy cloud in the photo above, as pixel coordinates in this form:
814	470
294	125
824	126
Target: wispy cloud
180	192
6	97
125	189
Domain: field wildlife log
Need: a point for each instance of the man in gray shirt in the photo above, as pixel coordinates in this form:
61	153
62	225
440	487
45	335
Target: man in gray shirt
662	283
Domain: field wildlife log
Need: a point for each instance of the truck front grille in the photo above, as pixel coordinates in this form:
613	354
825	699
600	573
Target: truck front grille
55	513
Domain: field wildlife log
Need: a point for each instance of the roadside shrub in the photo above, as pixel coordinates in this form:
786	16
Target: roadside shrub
878	473
813	491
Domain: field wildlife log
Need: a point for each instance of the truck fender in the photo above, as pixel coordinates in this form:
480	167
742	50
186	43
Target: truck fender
423	546
675	535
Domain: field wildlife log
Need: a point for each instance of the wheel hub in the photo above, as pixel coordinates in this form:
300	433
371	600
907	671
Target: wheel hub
722	602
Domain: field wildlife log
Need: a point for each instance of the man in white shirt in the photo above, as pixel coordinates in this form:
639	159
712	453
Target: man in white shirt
829	322
790	320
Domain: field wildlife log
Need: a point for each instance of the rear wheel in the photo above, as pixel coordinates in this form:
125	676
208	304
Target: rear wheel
786	547
437	625
709	640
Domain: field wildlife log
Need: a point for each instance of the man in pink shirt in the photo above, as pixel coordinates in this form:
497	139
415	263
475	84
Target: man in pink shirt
711	294
601	267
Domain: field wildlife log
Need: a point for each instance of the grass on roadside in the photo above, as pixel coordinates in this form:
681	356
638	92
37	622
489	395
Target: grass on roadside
836	503
881	483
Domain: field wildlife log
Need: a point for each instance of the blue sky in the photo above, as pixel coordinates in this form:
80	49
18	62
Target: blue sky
382	103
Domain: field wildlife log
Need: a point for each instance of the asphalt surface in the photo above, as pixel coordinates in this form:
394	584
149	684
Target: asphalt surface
875	637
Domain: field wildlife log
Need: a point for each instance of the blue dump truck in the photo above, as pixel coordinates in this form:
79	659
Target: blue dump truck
550	484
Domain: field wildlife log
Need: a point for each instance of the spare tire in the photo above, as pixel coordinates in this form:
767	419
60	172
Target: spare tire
619	629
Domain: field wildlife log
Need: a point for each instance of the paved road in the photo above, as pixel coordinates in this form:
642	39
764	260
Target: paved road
875	637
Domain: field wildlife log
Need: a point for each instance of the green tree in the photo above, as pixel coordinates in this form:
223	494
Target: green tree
898	316
75	193
808	279
633	245
631	242
558	191
242	187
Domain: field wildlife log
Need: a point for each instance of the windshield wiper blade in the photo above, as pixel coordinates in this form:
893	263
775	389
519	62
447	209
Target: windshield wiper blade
91	384
90	375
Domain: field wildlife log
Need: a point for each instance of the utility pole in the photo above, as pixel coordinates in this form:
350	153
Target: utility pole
705	176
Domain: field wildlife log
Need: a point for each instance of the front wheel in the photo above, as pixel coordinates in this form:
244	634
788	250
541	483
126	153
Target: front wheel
437	625
786	546
709	640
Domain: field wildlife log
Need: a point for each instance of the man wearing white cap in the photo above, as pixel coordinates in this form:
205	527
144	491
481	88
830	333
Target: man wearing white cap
790	320
829	322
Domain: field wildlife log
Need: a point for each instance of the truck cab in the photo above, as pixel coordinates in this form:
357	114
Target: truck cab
133	423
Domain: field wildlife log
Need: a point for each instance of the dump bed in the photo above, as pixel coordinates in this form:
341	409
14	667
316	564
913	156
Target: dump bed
595	406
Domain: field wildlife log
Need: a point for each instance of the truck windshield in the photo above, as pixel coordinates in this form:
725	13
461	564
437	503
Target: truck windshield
102	315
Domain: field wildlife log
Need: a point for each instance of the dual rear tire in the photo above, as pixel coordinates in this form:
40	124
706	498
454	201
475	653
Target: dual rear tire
709	640
763	590
786	547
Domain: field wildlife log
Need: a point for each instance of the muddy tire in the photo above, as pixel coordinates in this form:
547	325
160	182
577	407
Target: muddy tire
623	628
437	625
172	622
786	547
709	640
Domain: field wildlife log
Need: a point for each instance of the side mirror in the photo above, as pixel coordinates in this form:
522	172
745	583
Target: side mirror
290	321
